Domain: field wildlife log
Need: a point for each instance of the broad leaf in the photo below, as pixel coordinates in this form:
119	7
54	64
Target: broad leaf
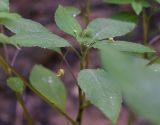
124	46
105	28
16	84
139	84
116	64
22	25
30	33
43	40
4	5
49	85
101	91
142	95
66	22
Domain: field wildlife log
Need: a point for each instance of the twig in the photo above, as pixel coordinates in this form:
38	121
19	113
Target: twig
3	62
155	40
14	57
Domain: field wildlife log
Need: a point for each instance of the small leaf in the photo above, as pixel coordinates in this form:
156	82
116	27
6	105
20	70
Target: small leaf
66	22
16	84
49	85
105	28
137	7
101	91
4	5
85	36
124	46
118	1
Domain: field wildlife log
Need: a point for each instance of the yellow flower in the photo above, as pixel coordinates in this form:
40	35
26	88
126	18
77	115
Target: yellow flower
60	72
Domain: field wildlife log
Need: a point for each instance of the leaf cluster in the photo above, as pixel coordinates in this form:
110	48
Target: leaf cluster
123	74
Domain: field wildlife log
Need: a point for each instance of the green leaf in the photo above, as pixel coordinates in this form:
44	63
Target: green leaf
142	95
4	39
155	67
39	39
85	36
30	33
145	3
66	22
73	11
116	64
105	28
49	85
118	1
101	91
123	46
158	1
6	16
139	84
4	5
125	16
22	25
16	84
137	6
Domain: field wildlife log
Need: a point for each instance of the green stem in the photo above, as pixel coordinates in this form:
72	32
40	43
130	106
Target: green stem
4	63
145	27
81	94
81	107
80	6
9	73
145	30
4	46
25	111
83	60
87	13
152	61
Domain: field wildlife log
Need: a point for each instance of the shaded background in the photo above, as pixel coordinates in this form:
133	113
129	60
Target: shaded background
43	11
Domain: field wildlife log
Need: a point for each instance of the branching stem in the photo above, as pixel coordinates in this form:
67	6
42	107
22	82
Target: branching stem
4	63
84	62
